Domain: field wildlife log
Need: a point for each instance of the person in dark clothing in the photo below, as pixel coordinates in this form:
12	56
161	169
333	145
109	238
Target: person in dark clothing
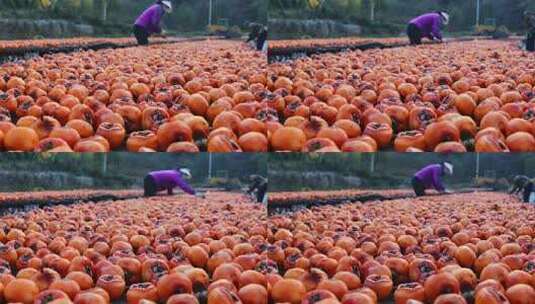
518	184
528	189
529	17
259	185
259	35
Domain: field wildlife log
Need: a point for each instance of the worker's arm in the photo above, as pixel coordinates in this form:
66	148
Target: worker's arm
180	182
253	187
436	31
437	182
156	21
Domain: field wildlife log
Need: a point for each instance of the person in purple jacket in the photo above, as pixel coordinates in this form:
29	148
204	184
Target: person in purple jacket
149	22
430	177
157	181
427	26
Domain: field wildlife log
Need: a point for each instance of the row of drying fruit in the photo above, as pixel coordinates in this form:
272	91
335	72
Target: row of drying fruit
221	96
33	45
310	196
175	98
453	97
58	196
460	249
322	43
159	250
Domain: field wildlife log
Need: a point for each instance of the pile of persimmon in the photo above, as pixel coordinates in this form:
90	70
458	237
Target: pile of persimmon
452	97
463	248
322	43
59	196
31	45
177	249
289	197
183	97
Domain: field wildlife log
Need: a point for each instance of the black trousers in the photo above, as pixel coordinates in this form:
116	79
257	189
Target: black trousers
149	186
261	40
530	42
260	192
418	186
141	34
415	34
528	188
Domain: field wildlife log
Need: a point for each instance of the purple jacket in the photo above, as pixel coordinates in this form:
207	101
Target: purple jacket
151	18
169	179
429	24
431	177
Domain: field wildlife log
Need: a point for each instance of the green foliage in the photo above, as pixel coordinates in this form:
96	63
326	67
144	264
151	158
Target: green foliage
392	170
373	15
120	170
187	15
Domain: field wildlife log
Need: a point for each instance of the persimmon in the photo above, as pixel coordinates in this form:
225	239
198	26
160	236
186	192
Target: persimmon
317	144
358	297
521	142
409	139
171	132
253	142
288	290
520	293
222	144
382	133
114	133
288	139
490	295
222	295
407	291
21	290
153	117
253	294
83	280
51	296
351	128
182	147
450	147
21	139
89	298
139	291
68	134
90	146
139	139
68	286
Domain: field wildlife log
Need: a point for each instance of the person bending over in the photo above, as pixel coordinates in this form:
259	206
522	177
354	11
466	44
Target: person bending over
150	21
258	35
259	185
430	177
529	17
157	181
527	192
427	26
518	184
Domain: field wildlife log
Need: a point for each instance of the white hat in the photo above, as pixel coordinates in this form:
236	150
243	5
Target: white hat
448	168
186	172
168	6
445	17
